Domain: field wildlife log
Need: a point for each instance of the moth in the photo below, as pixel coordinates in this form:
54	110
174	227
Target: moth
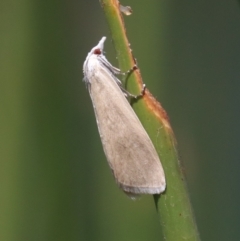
130	153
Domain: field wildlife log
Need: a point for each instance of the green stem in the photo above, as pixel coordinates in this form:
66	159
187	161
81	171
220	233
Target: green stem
175	212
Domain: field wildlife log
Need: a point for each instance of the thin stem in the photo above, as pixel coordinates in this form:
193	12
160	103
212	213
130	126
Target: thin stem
174	207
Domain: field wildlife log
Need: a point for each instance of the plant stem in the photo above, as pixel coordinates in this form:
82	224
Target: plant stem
175	212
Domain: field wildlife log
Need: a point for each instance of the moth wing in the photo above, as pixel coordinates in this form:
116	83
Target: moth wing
130	153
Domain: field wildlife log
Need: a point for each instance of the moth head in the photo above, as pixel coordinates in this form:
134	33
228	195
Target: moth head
98	50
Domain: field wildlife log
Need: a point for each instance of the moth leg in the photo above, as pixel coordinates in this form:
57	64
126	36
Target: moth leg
126	93
129	72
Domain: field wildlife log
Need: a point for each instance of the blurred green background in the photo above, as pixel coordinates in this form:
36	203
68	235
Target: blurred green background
55	183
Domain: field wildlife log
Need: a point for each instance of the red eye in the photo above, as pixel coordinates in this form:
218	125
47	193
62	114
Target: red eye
97	51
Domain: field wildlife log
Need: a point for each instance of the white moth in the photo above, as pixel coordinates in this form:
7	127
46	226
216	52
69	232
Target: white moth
130	153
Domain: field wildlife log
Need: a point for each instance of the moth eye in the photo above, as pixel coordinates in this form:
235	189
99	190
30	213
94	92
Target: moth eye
97	51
